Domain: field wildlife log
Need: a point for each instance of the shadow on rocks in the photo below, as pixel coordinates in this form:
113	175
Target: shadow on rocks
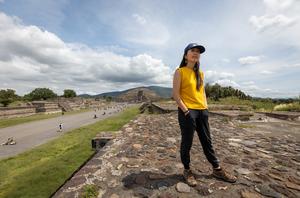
203	176
151	181
143	184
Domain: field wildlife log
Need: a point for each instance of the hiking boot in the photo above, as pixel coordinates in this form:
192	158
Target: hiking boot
189	177
223	175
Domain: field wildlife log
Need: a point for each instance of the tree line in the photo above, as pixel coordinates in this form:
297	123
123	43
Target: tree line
216	92
9	95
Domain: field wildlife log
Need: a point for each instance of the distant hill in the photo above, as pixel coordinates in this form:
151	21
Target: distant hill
85	96
139	93
164	92
152	91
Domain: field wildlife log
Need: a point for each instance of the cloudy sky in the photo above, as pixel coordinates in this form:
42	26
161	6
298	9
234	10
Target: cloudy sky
98	46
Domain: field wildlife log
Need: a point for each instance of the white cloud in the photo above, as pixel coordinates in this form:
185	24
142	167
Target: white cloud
152	34
278	5
227	82
29	54
225	60
249	60
248	83
264	22
266	72
295	65
250	88
136	29
279	17
139	19
254	90
111	48
213	76
222	78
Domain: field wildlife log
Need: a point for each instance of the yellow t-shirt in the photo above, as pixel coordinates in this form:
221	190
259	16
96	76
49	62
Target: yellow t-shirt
191	97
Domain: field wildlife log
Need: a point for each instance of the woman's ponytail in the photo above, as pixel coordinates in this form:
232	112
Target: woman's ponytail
198	76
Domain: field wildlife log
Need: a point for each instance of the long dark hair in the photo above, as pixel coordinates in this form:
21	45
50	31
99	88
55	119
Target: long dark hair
196	70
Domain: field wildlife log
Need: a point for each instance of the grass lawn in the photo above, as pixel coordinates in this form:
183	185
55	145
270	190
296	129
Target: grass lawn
295	106
40	171
256	105
6	122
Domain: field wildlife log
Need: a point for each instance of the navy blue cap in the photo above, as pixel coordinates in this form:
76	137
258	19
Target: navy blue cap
194	45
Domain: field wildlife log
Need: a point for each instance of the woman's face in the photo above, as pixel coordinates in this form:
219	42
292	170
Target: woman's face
193	55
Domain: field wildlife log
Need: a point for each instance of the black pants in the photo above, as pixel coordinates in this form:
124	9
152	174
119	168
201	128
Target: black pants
195	120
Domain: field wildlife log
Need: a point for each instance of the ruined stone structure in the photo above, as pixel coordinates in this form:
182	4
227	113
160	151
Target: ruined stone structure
143	160
51	106
92	103
138	95
12	112
46	107
153	108
71	104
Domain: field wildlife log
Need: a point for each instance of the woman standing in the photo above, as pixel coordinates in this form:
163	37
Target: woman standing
189	93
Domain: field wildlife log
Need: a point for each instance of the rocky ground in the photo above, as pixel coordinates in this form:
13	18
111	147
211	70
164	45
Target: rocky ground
143	160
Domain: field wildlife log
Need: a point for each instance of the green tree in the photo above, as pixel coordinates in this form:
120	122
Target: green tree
108	98
69	93
216	91
207	90
7	96
40	94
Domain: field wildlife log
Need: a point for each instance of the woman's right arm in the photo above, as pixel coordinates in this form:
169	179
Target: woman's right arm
176	91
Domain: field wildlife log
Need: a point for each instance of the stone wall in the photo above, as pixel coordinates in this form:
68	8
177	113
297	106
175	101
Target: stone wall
46	107
76	106
12	112
71	104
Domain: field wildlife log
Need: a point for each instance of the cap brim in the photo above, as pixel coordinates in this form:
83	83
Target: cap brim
200	47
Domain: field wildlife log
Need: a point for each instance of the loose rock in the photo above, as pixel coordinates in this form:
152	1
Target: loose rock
183	188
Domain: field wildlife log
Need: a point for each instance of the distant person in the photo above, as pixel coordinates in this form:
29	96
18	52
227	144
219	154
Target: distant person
189	93
60	126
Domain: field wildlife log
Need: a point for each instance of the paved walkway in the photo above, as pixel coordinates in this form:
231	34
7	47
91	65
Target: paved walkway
35	133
